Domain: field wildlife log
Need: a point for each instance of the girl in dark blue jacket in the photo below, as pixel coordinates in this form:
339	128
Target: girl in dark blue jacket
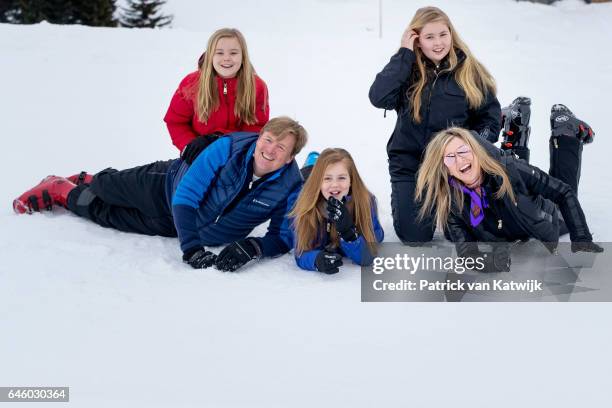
334	216
432	82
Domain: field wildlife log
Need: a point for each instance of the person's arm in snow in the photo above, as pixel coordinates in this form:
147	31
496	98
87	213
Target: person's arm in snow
540	183
275	243
192	188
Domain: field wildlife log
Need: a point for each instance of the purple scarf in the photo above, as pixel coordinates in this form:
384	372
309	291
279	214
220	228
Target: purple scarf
478	203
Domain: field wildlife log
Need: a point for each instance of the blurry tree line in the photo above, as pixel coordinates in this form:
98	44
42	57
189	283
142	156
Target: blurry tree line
105	13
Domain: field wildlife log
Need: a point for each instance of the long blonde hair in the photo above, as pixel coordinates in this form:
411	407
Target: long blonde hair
471	75
309	220
433	189
207	93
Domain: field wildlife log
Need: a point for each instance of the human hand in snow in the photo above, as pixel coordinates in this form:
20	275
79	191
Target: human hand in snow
238	253
342	218
498	260
408	39
199	258
328	262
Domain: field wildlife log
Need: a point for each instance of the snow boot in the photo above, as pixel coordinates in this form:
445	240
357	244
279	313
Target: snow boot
81	178
564	123
52	190
516	129
309	163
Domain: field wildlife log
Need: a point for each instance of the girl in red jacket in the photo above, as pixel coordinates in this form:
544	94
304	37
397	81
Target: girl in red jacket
224	95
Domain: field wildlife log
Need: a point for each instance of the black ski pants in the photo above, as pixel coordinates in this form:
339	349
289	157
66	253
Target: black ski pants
405	212
132	200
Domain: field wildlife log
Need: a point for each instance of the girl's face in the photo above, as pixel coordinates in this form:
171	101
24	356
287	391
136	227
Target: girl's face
435	41
227	57
461	162
336	181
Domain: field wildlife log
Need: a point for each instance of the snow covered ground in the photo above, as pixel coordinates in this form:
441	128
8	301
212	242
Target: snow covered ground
118	317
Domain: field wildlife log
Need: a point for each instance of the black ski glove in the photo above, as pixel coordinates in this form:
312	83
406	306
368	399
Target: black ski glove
586	246
328	262
341	217
199	258
237	254
195	147
498	260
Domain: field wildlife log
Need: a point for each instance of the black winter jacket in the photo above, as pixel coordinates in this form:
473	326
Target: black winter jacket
443	105
538	196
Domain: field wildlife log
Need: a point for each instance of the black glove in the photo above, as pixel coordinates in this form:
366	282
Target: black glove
328	262
199	258
237	254
498	260
341	217
195	147
586	246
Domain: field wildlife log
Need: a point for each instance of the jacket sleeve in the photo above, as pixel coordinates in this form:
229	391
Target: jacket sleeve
538	182
392	82
279	237
307	260
358	250
192	189
460	235
180	114
486	120
273	244
262	107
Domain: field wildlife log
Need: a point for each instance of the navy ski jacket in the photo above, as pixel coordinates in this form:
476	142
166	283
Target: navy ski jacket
356	250
539	197
443	104
200	193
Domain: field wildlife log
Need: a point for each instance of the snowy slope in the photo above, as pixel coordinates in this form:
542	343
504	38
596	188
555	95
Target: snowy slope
119	319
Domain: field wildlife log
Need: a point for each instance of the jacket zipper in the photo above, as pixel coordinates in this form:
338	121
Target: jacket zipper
433	84
556	142
227	105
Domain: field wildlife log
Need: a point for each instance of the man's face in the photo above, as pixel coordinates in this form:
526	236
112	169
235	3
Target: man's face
271	154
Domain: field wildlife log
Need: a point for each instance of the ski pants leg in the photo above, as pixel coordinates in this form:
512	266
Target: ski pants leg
565	164
405	211
132	200
566	160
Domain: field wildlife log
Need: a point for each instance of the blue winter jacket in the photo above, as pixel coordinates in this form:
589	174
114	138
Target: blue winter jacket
201	192
356	250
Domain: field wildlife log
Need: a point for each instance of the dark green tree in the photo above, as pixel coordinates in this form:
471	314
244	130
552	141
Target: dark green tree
98	13
87	12
144	14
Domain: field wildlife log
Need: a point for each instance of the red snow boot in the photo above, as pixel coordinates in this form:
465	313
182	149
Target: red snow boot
81	178
52	190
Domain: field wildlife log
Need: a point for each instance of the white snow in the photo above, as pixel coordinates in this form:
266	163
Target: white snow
118	317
